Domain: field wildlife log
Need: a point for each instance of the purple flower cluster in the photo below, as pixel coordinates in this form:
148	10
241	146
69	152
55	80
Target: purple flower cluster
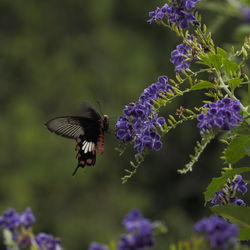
11	220
222	114
20	227
139	232
180	57
220	233
139	123
97	246
15	223
47	242
228	194
177	11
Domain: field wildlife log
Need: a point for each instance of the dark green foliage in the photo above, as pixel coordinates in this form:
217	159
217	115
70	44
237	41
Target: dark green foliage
237	215
237	149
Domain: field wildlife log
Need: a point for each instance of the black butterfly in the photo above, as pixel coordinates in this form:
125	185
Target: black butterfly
88	131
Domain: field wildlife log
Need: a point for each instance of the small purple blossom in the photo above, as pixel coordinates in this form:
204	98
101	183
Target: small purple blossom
157	14
27	218
177	12
47	242
219	232
140	232
180	57
222	114
97	246
228	194
190	4
15	223
125	130
11	219
140	123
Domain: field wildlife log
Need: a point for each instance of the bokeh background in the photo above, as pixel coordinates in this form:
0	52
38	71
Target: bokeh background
56	54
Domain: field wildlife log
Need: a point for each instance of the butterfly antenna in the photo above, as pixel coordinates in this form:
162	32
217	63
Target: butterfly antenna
75	170
100	107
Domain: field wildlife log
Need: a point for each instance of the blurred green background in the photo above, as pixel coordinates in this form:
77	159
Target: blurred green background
56	54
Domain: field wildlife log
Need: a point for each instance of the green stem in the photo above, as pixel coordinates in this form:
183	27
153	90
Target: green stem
230	94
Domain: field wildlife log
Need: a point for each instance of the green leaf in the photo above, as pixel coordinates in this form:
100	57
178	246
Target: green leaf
244	233
237	215
219	182
205	60
229	66
203	85
234	83
237	149
216	60
221	52
243	129
212	60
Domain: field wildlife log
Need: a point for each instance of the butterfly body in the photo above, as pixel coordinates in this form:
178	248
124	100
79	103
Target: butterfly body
88	131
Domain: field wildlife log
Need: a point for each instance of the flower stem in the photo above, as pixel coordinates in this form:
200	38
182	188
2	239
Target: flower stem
230	94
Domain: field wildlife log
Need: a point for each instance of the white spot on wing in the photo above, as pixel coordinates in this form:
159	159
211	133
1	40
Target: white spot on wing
88	146
84	145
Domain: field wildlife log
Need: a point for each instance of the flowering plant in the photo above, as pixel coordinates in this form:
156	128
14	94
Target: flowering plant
222	76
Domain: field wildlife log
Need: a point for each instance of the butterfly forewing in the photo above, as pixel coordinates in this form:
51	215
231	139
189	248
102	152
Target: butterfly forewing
89	112
66	126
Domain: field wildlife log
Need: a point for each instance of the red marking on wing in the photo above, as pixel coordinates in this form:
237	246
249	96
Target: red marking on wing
100	140
89	161
82	163
100	143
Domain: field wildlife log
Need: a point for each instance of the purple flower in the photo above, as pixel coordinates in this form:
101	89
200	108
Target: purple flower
219	232
27	218
176	12
228	194
124	130
157	14
140	122
12	220
47	242
222	114
15	222
140	232
190	4
180	57
97	246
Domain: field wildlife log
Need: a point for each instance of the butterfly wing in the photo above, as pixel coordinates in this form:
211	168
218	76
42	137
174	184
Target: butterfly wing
68	126
87	145
90	112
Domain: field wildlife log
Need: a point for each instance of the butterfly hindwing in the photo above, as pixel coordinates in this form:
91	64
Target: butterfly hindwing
86	150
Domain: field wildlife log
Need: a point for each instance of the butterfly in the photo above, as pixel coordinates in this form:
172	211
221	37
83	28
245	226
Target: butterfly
88	131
